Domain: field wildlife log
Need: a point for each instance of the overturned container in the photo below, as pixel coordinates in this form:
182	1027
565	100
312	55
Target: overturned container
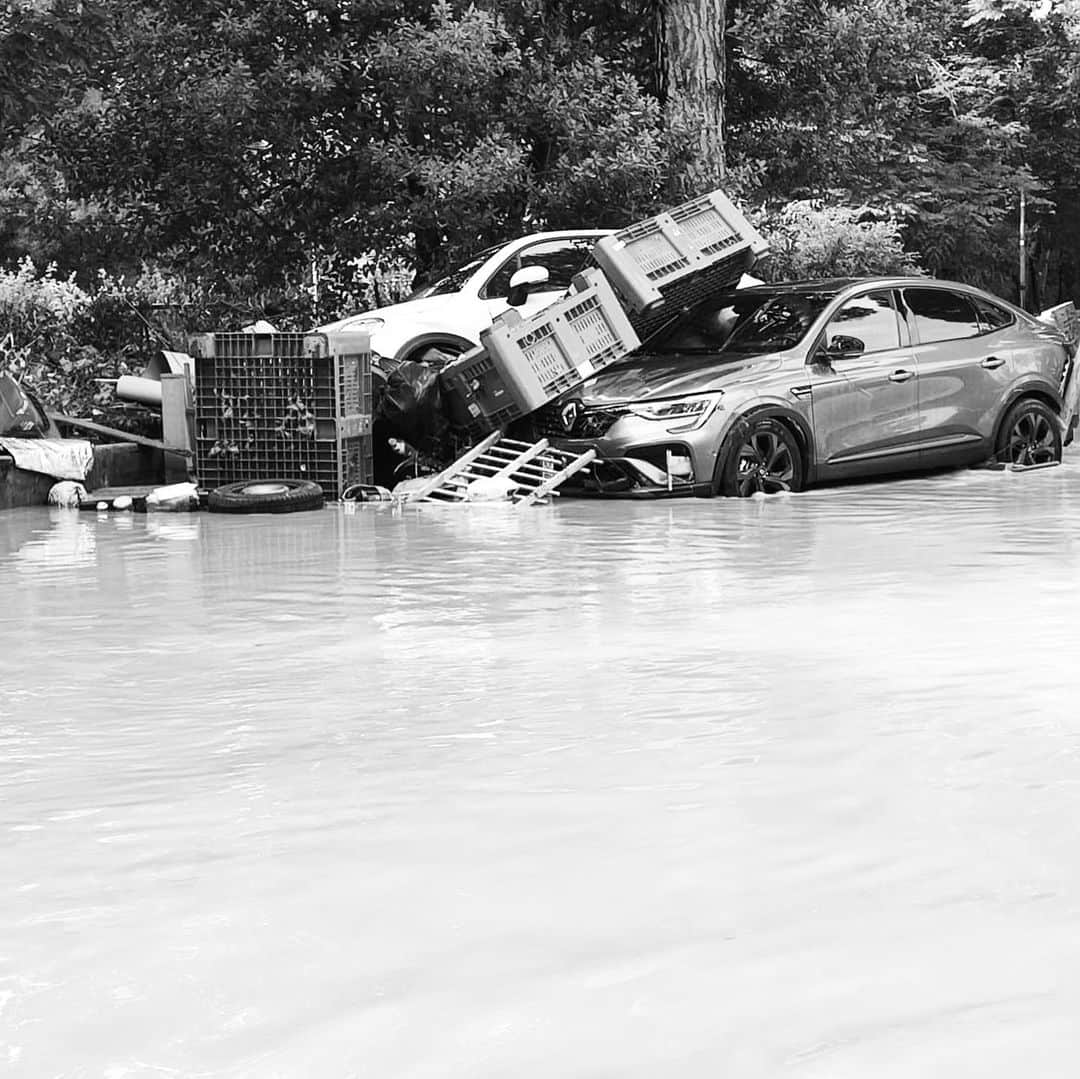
674	259
526	362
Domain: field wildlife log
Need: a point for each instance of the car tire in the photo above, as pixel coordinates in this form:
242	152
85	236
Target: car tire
759	455
266	496
438	355
1030	435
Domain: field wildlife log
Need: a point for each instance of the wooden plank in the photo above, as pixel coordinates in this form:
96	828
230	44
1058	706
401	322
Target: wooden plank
112	432
177	425
109	495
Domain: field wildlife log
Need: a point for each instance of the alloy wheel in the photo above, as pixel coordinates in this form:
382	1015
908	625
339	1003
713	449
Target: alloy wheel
1031	440
765	463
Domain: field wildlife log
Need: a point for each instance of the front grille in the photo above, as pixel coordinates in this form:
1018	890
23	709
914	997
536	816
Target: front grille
547	422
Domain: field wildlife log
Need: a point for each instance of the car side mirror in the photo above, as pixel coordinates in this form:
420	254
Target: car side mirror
524	281
843	347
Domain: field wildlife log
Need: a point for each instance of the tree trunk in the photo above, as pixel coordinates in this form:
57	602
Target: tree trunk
690	79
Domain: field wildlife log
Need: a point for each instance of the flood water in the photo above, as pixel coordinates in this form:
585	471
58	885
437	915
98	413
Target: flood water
777	787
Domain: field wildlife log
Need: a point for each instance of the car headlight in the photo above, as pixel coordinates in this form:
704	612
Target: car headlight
683	413
372	323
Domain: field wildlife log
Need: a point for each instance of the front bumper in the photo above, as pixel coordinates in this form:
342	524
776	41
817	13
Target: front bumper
633	475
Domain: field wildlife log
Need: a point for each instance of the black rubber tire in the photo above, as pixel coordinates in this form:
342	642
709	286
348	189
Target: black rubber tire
1029	435
759	455
437	355
266	496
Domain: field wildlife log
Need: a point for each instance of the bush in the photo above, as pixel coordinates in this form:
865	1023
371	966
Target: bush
809	240
59	339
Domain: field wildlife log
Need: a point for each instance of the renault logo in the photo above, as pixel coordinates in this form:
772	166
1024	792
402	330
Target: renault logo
569	415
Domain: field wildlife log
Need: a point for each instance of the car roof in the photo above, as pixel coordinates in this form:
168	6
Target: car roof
840	284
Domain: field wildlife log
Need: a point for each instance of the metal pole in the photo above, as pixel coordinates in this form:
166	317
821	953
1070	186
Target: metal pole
1023	251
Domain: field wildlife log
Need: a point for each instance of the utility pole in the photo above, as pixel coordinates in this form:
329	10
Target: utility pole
1023	249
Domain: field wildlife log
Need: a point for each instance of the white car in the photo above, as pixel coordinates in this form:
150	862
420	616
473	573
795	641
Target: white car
448	315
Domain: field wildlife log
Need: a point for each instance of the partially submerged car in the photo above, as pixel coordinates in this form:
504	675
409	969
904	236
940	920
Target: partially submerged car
775	387
446	317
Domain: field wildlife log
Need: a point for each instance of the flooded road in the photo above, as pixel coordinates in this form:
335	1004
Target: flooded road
783	787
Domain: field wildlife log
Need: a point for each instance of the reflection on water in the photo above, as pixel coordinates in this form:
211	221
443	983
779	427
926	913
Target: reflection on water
775	787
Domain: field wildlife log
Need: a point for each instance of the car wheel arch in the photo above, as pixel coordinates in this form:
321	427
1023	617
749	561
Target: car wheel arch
795	423
413	349
1038	391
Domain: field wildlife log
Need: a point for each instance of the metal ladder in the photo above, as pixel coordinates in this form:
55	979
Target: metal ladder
536	469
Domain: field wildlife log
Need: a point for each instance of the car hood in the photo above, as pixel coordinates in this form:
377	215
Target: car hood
652	376
455	311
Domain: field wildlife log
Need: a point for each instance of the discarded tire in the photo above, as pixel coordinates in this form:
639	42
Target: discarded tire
266	496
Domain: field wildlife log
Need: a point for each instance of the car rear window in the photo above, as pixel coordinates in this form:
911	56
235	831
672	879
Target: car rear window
991	316
941	315
871	318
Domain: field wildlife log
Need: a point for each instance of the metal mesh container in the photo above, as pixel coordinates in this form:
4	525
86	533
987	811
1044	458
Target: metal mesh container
285	406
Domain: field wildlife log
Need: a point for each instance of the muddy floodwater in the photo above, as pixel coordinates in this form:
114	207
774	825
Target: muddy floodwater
776	787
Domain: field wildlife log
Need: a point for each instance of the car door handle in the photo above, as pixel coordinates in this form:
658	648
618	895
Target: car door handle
991	362
901	375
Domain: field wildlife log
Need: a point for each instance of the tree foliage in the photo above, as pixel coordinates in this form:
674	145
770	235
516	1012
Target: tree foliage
808	241
242	143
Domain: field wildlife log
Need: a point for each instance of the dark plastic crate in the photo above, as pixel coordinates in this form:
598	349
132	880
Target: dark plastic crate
283	406
477	397
662	261
717	276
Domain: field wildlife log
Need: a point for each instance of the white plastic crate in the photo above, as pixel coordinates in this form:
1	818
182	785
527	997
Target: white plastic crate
667	260
1066	318
572	339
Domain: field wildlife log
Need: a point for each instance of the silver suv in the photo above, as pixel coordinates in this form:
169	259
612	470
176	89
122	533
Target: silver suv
774	387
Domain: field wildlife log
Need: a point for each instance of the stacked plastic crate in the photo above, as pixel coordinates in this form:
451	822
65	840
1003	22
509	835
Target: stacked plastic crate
525	362
675	259
646	274
283	406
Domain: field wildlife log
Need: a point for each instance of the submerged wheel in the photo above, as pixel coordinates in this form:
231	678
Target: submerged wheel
266	496
760	456
1030	435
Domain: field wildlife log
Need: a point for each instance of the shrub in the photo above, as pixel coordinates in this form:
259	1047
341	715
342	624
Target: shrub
810	240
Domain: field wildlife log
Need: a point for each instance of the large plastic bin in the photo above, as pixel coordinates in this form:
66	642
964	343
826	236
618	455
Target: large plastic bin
283	405
572	339
477	397
670	261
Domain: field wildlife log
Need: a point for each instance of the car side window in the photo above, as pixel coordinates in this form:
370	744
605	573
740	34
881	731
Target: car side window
871	318
561	258
941	315
992	317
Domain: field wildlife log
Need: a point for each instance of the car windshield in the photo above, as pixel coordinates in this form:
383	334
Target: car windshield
455	280
743	321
